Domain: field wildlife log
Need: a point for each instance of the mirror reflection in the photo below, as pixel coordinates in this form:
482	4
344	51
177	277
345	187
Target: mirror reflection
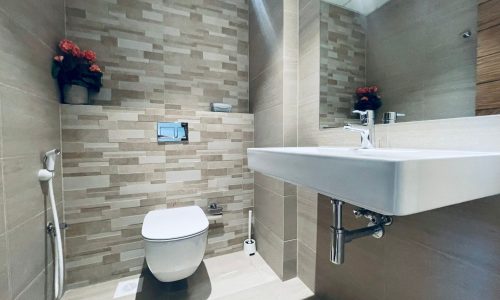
412	59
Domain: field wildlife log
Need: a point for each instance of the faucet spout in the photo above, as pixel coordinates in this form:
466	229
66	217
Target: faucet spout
365	136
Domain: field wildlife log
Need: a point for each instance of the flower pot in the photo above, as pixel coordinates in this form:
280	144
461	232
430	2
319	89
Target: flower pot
76	94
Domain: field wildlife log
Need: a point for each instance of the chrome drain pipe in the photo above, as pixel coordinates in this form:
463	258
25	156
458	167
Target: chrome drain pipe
339	236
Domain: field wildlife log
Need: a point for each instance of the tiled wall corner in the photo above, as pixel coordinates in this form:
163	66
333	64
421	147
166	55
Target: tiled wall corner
273	100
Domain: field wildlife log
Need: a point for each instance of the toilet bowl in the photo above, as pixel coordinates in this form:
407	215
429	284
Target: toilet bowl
175	241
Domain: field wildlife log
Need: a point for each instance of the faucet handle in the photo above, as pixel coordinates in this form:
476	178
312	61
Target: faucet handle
360	112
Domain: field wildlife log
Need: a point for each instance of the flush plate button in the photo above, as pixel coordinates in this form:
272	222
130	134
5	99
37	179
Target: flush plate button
172	132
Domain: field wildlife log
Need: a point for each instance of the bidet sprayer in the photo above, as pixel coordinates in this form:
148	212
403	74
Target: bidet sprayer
50	159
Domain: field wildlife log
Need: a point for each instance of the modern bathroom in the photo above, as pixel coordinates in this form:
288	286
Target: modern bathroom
249	149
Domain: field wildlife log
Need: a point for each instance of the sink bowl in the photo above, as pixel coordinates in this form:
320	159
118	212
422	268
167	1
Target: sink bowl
388	181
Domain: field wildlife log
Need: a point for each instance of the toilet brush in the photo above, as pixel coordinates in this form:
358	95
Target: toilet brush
249	244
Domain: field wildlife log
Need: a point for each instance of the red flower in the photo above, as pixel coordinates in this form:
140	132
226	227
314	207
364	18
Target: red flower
95	68
59	58
373	89
89	55
66	45
75	51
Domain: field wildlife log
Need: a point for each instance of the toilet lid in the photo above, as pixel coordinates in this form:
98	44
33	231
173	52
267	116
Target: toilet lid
174	223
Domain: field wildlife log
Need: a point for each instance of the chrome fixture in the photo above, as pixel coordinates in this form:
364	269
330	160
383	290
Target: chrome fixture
340	236
466	34
391	117
172	132
214	209
54	229
367	118
365	136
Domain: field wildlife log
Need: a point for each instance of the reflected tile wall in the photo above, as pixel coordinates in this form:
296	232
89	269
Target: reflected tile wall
444	250
342	63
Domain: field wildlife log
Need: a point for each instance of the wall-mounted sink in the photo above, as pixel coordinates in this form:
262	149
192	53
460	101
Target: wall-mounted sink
386	181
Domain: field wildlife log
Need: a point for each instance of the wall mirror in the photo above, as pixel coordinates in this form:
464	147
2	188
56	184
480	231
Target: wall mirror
415	57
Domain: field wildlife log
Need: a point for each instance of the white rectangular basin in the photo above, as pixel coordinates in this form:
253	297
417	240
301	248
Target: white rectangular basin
387	181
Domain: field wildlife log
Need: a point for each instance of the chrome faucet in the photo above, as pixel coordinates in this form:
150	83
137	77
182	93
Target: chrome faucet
367	119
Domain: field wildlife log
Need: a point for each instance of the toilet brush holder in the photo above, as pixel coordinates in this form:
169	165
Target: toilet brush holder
249	247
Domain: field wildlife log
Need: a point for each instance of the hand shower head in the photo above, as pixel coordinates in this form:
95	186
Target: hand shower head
50	159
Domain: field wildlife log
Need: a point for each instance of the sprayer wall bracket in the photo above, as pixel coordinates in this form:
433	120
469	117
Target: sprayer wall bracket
51	229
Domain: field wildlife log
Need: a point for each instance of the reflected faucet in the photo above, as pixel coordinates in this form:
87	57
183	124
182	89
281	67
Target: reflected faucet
367	119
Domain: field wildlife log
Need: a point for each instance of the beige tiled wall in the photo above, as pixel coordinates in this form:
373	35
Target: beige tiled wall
167	54
29	126
162	60
452	245
273	100
115	172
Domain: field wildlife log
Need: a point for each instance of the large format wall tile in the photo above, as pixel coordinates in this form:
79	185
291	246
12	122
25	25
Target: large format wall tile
273	100
4	269
25	61
29	126
438	66
115	172
28	252
43	18
171	54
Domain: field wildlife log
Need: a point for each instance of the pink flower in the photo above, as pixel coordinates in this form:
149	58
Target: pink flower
89	55
66	45
59	58
95	68
75	51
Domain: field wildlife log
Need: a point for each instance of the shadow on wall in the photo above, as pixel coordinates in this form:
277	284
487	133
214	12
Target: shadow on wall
196	286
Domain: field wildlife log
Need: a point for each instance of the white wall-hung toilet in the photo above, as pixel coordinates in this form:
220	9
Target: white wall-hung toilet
175	241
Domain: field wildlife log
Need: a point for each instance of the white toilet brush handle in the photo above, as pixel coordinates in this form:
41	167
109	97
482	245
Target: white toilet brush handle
249	224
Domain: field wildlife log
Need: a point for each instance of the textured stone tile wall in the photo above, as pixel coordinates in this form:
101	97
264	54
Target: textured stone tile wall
173	54
343	62
115	172
163	60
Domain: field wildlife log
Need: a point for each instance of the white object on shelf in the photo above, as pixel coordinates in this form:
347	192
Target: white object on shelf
221	107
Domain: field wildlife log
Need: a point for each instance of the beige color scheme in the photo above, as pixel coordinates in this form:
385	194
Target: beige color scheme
342	63
162	61
173	54
474	133
273	100
29	126
112	180
226	277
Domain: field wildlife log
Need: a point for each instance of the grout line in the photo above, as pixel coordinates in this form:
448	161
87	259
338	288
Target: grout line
30	283
32	34
9	280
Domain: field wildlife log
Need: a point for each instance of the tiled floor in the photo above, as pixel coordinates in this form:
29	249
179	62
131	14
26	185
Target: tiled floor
228	277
